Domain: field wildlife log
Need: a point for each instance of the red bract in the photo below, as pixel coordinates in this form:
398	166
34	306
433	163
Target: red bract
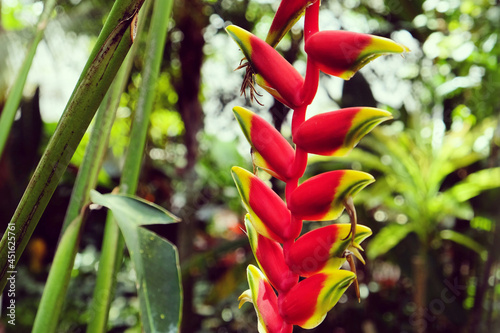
262	295
266	61
321	197
343	53
336	133
273	226
324	248
271	152
268	213
286	16
307	303
269	256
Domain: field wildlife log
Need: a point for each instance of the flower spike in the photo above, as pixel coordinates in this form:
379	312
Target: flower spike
271	151
321	197
307	303
266	61
336	133
265	302
343	53
268	213
273	227
323	249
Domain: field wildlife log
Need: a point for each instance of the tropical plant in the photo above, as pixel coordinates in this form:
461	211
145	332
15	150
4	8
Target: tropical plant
415	193
130	214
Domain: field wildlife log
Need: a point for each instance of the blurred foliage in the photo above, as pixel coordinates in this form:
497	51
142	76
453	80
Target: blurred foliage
435	164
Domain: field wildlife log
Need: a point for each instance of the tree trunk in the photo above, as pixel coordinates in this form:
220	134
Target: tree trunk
420	275
190	20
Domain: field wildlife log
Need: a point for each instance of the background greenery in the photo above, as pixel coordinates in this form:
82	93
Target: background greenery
434	208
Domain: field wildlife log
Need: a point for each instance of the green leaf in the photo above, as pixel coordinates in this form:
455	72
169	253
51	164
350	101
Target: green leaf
11	105
155	259
137	211
386	239
457	151
476	183
466	241
446	205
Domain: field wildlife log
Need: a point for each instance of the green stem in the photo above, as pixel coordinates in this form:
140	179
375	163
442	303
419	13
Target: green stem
54	293
12	103
112	249
88	172
104	62
109	264
47	317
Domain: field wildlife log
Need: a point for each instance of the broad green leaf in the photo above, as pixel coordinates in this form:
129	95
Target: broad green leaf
155	259
476	183
137	211
390	236
466	241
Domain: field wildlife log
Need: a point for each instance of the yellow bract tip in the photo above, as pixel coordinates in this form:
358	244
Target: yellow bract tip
242	38
384	45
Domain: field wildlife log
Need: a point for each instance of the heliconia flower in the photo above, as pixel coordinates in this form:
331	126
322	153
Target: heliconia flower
269	256
343	53
271	151
265	302
288	13
266	61
324	248
321	197
268	213
336	133
307	303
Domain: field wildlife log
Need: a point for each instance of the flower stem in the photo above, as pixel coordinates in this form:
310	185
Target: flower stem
312	71
311	23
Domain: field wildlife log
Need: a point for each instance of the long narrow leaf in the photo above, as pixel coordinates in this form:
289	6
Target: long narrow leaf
12	103
465	241
390	236
475	183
